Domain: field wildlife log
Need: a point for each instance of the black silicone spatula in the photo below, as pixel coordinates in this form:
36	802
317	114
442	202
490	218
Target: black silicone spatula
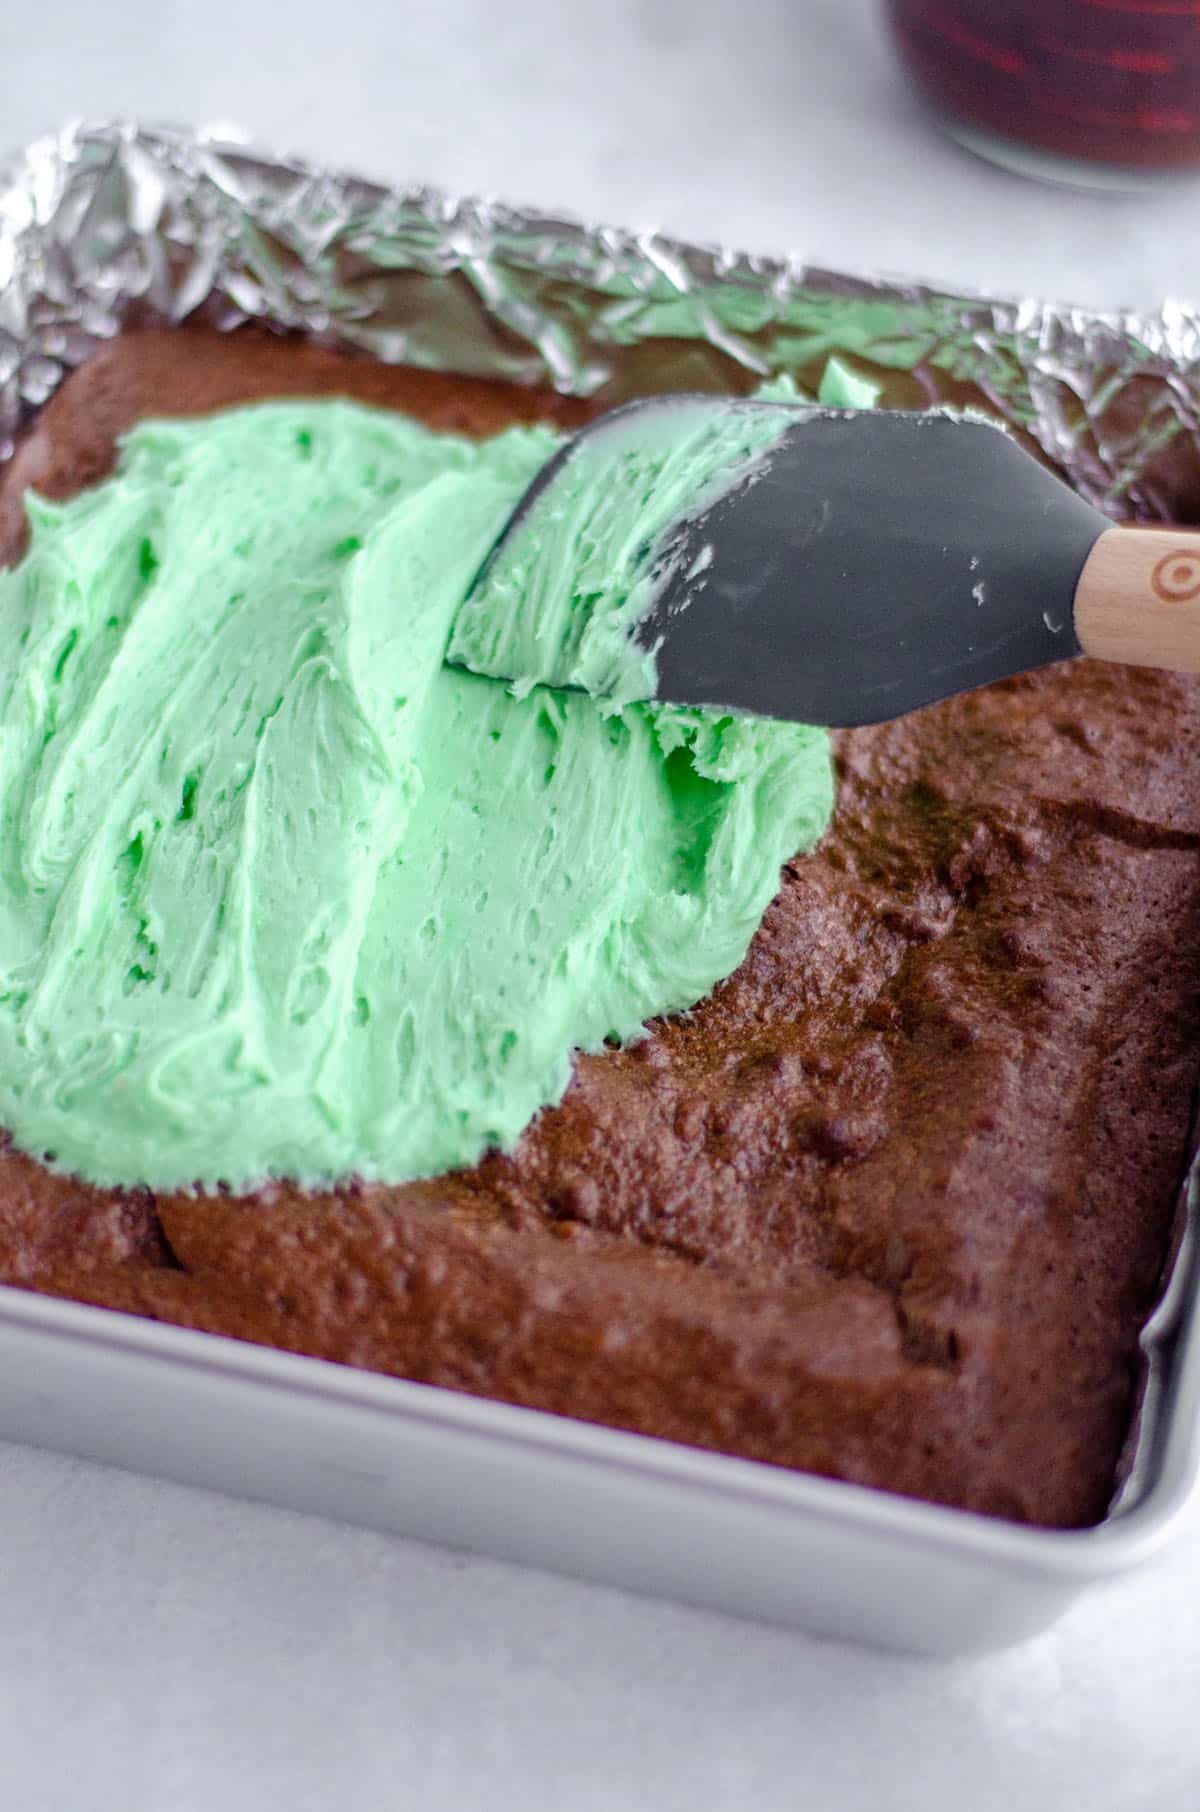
870	562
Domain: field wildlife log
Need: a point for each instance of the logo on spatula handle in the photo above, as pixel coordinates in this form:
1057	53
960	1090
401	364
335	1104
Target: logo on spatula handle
1176	578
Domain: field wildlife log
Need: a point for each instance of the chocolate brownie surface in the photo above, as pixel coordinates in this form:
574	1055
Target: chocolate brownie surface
891	1205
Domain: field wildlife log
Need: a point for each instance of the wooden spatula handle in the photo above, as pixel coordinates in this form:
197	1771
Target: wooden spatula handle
1138	599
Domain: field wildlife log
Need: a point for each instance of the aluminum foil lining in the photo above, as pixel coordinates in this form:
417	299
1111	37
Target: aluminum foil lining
107	225
110	226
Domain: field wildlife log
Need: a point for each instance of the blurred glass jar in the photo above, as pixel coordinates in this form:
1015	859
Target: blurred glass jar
1098	91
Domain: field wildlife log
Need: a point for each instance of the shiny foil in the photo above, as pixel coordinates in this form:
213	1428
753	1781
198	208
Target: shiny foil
109	225
103	227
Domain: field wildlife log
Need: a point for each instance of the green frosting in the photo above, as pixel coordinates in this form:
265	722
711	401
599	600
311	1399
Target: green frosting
561	600
281	893
569	585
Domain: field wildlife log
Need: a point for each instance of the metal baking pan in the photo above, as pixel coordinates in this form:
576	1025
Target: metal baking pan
114	224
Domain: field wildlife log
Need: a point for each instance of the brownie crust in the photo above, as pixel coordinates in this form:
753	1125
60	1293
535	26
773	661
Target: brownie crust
891	1205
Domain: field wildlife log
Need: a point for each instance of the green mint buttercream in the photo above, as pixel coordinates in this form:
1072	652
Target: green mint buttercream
563	596
283	894
581	568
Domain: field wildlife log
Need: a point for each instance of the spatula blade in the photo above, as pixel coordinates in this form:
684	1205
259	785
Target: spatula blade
877	562
853	566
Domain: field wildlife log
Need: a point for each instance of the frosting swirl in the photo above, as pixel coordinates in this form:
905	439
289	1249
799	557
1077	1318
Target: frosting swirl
281	893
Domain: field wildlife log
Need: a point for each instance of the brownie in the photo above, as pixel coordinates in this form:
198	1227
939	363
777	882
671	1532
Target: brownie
891	1205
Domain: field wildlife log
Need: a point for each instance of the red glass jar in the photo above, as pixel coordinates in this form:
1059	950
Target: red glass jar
1097	87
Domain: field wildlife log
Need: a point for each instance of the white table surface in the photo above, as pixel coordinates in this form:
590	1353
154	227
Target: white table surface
166	1648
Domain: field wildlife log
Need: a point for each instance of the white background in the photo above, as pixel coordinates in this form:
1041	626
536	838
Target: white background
161	1648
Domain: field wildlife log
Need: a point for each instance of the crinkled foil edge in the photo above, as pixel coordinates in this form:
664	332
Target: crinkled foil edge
113	225
105	225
